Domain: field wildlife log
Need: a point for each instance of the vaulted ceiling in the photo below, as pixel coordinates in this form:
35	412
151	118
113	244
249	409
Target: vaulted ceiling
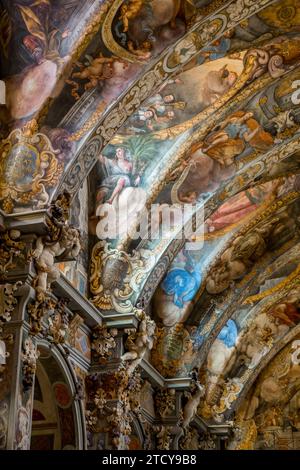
134	104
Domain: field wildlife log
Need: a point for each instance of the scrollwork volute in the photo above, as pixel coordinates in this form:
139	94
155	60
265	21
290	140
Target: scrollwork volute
103	341
117	276
28	181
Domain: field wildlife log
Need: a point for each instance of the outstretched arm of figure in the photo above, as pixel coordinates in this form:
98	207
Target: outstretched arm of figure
105	161
76	248
119	186
39	248
249	135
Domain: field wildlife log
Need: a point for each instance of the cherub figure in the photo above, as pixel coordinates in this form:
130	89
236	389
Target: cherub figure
99	69
139	341
190	409
128	11
46	252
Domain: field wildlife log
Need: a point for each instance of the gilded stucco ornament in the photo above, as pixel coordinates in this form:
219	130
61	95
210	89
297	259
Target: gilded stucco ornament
207	442
11	251
120	424
116	276
58	323
61	239
120	412
163	437
194	440
114	398
37	310
100	400
245	435
165	402
91	421
127	407
8	303
103	342
4	412
51	318
190	441
8	300
29	357
231	391
172	349
29	167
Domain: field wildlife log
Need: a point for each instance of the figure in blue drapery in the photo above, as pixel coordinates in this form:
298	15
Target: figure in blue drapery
183	283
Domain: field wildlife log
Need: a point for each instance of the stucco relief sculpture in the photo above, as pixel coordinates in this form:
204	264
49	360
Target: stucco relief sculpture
116	276
46	253
139	341
29	358
190	408
8	302
103	342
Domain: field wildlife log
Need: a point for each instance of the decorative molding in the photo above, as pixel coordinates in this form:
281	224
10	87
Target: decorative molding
12	249
116	276
29	357
103	340
27	183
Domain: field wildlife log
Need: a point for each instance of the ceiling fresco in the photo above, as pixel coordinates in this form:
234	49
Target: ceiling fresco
131	106
270	416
